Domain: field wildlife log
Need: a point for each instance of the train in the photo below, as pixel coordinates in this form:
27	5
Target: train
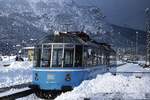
62	60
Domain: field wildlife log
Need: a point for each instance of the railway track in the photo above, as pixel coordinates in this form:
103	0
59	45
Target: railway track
129	73
19	91
15	91
15	94
136	74
121	64
19	86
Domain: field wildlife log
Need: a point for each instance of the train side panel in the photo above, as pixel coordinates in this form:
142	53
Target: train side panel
58	79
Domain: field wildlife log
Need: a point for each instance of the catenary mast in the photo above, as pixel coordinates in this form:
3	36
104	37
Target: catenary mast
147	23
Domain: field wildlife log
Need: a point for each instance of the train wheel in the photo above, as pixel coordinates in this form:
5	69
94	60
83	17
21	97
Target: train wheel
47	94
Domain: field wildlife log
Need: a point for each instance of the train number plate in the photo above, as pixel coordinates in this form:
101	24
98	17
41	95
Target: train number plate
50	77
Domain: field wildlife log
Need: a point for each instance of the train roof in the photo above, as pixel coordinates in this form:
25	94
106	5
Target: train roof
79	38
62	37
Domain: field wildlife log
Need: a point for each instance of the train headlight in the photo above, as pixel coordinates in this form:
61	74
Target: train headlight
36	76
50	77
68	77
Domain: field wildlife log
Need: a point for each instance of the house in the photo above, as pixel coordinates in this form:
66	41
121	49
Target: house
27	52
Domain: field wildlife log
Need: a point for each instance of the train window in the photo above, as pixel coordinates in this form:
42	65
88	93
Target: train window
89	51
57	58
58	46
68	57
85	56
37	57
88	55
46	55
78	56
99	60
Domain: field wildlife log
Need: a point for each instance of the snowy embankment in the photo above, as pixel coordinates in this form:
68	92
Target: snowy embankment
108	86
15	73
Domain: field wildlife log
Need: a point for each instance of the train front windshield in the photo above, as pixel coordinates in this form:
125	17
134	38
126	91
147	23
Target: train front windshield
54	55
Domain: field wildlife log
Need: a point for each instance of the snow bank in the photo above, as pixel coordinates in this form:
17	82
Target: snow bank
16	73
108	86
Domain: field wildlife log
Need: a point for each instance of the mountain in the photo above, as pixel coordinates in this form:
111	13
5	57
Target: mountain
128	13
124	38
23	21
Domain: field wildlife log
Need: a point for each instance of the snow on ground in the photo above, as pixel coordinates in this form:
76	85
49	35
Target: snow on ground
15	73
108	86
129	67
30	97
142	62
120	62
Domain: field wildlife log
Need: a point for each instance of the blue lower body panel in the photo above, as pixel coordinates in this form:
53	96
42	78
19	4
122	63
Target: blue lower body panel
57	78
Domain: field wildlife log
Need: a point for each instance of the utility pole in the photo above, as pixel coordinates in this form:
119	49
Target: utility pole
147	23
132	50
136	48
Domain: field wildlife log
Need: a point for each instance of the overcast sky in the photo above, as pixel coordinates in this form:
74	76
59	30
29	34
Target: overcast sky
122	12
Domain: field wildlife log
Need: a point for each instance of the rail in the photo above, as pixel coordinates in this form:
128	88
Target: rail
18	86
121	64
136	74
15	91
15	94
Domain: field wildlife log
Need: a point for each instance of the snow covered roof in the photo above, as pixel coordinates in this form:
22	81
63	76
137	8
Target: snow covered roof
27	48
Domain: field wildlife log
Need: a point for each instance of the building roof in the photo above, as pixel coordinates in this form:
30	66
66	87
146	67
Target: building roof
27	48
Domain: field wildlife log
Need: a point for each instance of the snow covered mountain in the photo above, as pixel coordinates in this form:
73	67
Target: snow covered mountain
22	20
51	14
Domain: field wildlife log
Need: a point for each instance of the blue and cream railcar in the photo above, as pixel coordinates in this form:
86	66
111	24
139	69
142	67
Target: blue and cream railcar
64	60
